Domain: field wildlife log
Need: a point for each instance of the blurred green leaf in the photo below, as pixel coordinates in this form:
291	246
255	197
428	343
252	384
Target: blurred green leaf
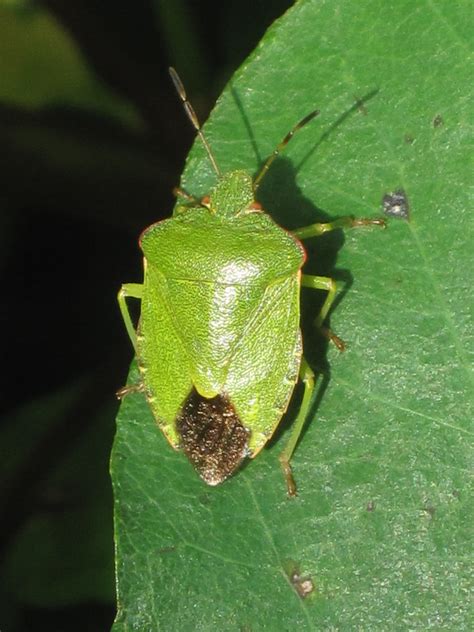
59	549
40	65
381	524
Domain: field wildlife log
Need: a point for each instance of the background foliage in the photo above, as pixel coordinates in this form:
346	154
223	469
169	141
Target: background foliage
92	141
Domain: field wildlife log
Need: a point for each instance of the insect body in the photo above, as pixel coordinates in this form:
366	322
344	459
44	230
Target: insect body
218	342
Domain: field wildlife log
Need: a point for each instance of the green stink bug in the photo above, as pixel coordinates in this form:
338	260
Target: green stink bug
218	341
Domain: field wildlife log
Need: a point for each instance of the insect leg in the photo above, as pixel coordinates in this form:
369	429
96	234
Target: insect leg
191	200
314	230
129	290
179	192
129	389
308	378
328	284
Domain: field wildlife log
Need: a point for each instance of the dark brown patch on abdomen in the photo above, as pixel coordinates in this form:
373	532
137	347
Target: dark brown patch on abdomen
213	438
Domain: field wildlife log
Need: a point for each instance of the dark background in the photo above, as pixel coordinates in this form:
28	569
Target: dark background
76	189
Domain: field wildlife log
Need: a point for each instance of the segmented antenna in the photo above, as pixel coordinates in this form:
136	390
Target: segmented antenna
281	146
188	108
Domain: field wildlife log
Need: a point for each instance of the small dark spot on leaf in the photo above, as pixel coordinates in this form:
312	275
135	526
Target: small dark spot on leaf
166	549
360	106
205	499
430	510
303	584
370	505
456	493
396	204
409	139
438	121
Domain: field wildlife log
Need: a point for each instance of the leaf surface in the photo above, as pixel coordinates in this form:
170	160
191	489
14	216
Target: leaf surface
381	523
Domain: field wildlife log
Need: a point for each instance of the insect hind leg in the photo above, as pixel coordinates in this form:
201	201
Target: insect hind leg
329	285
308	378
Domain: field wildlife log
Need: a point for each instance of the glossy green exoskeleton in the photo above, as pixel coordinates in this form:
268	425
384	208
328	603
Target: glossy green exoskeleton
218	342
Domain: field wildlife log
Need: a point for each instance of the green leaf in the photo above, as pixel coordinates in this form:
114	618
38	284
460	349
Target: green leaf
381	522
32	41
47	504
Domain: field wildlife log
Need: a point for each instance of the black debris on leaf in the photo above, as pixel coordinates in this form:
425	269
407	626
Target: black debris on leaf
396	205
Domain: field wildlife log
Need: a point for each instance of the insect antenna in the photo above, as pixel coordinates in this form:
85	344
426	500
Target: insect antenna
281	146
188	108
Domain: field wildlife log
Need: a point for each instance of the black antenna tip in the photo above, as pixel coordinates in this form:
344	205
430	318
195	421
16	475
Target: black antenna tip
309	117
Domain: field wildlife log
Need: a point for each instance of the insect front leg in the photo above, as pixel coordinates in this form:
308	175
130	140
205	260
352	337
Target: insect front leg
329	285
326	283
308	378
315	230
129	290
